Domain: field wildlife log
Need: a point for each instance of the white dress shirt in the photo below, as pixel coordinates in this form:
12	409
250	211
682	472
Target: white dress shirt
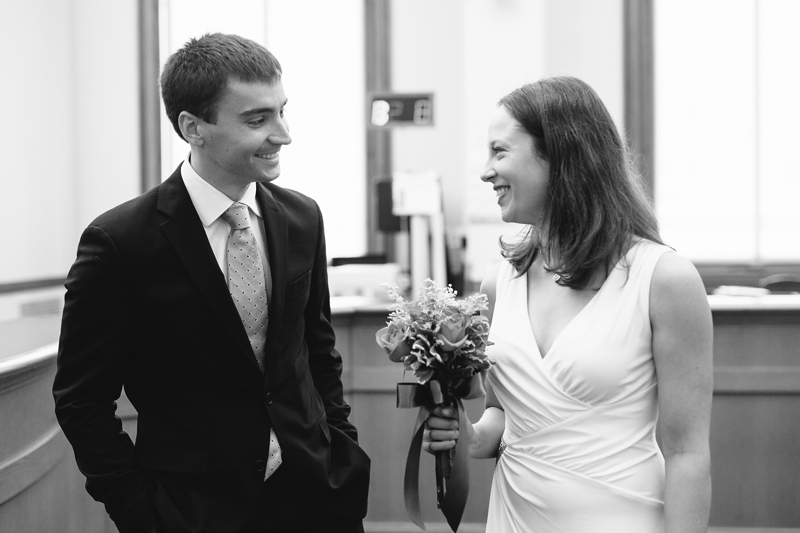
210	204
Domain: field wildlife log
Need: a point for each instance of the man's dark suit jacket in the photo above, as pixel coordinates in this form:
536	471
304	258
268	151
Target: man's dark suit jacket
148	308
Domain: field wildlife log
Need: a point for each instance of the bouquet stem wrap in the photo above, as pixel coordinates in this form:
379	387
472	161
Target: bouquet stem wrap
452	467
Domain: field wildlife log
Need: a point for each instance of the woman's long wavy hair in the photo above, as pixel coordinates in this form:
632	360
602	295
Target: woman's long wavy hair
595	203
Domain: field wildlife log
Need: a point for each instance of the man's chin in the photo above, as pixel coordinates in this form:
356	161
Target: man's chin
270	176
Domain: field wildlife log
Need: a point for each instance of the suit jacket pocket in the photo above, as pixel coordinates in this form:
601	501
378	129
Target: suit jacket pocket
295	300
169	457
298	284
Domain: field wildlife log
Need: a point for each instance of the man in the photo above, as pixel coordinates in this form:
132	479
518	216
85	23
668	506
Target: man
207	299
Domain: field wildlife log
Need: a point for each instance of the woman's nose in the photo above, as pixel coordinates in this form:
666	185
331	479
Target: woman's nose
488	173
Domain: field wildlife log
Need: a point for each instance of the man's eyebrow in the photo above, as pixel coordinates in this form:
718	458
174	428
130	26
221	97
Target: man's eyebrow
261	110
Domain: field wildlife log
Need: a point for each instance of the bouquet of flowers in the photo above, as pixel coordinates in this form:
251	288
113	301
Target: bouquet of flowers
443	341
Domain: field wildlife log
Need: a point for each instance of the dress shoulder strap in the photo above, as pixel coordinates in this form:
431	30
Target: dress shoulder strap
642	259
505	279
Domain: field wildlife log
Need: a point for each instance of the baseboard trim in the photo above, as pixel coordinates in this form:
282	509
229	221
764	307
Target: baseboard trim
474	527
432	527
719	529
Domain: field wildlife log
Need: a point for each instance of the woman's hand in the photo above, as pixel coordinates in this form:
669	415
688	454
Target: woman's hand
441	430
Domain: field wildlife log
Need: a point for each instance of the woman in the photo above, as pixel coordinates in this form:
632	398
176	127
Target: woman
600	331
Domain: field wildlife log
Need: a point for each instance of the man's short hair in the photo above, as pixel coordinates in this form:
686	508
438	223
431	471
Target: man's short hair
195	77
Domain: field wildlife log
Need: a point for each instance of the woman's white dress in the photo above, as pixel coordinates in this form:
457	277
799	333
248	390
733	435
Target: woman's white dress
580	453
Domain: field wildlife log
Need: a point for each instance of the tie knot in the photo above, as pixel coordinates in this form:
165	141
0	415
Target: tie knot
236	216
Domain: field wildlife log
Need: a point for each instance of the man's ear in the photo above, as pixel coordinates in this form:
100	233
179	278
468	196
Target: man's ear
190	128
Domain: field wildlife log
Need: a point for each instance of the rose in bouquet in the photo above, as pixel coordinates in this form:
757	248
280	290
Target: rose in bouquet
443	341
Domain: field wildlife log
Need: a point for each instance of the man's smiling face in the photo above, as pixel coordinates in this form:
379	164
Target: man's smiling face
243	145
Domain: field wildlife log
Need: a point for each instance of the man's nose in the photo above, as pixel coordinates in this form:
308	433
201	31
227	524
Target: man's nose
281	134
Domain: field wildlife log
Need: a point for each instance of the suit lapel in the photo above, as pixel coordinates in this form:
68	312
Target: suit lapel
277	236
184	231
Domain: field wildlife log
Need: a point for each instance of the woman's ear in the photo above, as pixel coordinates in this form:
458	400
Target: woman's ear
190	128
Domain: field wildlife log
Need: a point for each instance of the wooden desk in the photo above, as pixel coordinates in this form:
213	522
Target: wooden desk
755	424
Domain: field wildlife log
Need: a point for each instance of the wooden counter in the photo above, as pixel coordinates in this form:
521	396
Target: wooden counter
755	433
41	489
755	424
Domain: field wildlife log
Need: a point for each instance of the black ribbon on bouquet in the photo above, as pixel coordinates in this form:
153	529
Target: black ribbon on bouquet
452	469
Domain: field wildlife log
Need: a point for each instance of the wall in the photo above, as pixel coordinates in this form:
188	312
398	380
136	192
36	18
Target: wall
427	56
70	141
471	53
323	60
71	138
323	76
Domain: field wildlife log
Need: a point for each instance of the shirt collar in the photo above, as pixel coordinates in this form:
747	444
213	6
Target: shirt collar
209	202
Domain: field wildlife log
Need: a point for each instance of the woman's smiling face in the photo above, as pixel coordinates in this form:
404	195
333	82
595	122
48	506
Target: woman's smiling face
517	174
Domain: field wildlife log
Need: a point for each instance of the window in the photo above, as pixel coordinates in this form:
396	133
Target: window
321	50
727	116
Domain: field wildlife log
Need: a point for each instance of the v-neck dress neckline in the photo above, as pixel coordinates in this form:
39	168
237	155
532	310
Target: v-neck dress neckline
555	343
560	334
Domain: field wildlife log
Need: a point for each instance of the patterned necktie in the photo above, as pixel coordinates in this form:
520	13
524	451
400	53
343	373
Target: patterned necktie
246	278
246	284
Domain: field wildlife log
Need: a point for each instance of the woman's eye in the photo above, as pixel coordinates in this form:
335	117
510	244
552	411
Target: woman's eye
256	122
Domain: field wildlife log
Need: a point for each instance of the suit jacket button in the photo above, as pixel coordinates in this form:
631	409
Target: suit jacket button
268	397
260	465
